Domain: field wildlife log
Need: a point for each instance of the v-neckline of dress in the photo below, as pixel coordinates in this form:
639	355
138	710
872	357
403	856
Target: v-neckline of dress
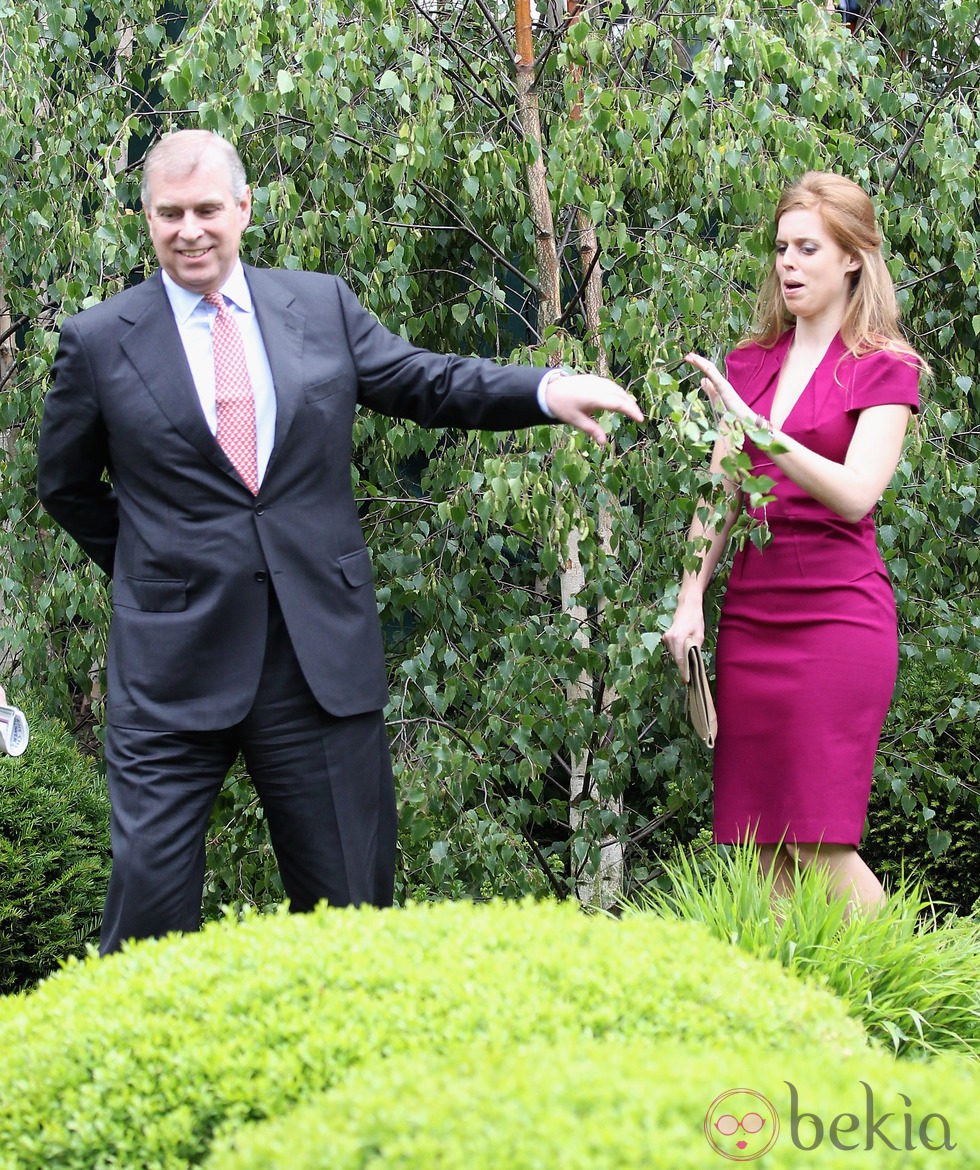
784	343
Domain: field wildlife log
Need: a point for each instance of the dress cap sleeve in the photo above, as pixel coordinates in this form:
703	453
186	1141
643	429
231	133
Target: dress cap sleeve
883	378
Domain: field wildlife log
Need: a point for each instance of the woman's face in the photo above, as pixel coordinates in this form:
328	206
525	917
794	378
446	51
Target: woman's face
813	270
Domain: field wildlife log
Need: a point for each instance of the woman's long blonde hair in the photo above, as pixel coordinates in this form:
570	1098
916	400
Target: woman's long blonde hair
871	319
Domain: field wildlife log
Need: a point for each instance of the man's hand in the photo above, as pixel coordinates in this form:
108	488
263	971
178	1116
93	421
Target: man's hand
576	398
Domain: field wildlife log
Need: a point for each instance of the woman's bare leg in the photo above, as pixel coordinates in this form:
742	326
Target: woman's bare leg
774	860
849	876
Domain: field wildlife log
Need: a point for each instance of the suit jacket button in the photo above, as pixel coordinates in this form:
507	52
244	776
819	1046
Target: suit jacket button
259	509
261	577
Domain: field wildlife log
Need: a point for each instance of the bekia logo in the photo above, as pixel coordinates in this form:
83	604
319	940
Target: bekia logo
742	1125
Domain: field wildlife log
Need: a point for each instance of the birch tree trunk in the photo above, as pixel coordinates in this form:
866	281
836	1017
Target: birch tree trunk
549	308
602	887
7	357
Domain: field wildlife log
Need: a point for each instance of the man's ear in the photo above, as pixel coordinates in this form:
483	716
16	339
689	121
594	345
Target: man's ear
245	206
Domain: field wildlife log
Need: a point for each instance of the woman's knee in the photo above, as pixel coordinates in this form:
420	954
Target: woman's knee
807	852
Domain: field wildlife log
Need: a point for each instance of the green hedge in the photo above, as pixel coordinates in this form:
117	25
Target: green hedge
924	813
899	844
618	1103
139	1060
54	854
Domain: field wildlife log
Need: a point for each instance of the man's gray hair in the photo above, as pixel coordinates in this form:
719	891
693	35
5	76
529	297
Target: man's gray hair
182	151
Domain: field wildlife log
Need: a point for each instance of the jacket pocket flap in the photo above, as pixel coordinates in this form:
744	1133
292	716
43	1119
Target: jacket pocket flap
158	596
323	389
356	567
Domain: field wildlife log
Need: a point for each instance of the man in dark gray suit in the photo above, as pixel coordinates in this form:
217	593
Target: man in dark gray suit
244	616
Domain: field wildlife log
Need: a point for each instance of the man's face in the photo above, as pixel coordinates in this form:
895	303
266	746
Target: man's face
196	225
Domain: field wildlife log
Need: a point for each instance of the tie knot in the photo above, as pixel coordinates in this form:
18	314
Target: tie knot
214	298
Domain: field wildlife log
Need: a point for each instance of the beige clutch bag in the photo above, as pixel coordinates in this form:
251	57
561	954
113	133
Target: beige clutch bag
700	705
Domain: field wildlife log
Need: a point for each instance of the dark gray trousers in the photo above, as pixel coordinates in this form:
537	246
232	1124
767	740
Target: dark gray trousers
325	784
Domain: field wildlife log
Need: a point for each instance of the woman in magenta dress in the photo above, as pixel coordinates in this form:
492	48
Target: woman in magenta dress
807	649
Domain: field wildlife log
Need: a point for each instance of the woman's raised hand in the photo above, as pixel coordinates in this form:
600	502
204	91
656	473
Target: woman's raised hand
719	389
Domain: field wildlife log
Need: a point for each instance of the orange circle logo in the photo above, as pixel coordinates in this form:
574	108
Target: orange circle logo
741	1125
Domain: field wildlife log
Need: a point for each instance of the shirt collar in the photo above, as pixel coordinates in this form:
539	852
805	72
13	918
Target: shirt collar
184	302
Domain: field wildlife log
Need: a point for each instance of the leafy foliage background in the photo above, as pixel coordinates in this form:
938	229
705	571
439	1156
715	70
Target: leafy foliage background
383	143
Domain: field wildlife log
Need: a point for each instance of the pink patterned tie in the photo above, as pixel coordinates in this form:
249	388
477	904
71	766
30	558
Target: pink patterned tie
233	397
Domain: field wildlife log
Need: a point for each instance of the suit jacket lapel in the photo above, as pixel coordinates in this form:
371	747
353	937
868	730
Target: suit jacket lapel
282	327
151	341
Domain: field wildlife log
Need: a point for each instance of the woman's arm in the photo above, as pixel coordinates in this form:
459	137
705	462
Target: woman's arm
688	623
852	488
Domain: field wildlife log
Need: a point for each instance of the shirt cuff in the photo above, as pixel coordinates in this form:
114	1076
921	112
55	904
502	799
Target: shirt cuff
550	375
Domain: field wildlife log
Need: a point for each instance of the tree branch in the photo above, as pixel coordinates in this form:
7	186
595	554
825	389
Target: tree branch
8	333
497	30
443	203
464	62
914	136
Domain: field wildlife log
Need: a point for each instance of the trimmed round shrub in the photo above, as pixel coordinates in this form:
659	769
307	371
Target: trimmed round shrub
617	1103
54	855
138	1060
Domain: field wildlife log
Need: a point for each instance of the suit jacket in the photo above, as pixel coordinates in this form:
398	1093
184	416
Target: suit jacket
128	466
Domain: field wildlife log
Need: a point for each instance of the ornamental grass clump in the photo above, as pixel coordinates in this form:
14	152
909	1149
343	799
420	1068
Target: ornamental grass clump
910	976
